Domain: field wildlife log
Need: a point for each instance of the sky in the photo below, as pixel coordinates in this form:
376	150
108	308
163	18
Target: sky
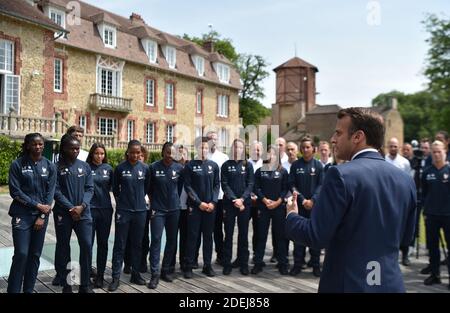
361	47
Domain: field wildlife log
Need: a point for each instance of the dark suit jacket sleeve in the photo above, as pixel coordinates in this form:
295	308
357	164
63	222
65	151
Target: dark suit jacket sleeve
326	216
410	226
321	175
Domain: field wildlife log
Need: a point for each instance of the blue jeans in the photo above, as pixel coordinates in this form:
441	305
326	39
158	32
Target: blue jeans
158	222
28	245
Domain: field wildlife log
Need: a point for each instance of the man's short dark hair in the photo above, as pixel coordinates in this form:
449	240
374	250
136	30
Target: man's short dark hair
443	133
75	129
199	140
306	138
368	121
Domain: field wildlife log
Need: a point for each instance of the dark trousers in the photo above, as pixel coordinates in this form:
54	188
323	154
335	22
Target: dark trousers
254	217
28	245
243	218
128	225
199	223
182	230
160	221
278	217
145	247
101	226
433	225
218	230
64	224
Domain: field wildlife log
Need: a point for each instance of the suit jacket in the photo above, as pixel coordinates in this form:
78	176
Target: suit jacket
364	213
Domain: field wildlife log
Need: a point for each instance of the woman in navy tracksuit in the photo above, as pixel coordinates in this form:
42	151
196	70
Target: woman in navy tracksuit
237	180
131	179
271	187
101	207
32	180
164	193
73	194
201	182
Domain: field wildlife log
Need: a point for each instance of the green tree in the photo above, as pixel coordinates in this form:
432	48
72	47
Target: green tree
418	110
222	45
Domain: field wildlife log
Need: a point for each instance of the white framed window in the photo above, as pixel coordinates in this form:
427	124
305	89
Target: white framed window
58	75
130	130
6	56
171	56
198	101
11	93
150	98
170	95
109	36
223	137
106	125
151	49
109	76
222	105
199	63
223	72
170	132
82	121
198	131
150	132
110	82
58	17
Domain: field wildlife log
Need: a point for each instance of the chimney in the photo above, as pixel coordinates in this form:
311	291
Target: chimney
208	45
136	19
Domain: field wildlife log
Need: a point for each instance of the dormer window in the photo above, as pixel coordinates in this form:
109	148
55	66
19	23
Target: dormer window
109	36
58	17
151	49
199	63
223	72
171	56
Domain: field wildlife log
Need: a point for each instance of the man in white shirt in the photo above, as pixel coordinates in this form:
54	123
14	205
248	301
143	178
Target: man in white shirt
395	158
219	157
292	152
325	153
281	144
78	132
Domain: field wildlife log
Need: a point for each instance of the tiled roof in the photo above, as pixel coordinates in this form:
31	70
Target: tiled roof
22	10
295	62
129	32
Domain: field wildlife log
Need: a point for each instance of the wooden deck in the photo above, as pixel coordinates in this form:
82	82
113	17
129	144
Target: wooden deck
269	281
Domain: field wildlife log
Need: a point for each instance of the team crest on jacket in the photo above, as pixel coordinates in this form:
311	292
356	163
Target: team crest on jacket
140	173
210	167
445	177
59	218
44	170
80	170
174	173
17	220
313	169
105	172
243	167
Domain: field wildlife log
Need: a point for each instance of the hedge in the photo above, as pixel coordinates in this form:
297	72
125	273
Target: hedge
9	151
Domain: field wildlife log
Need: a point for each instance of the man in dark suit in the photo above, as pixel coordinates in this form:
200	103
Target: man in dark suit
364	213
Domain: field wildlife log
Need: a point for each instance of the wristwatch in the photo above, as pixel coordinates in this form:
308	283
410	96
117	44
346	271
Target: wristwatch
43	216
